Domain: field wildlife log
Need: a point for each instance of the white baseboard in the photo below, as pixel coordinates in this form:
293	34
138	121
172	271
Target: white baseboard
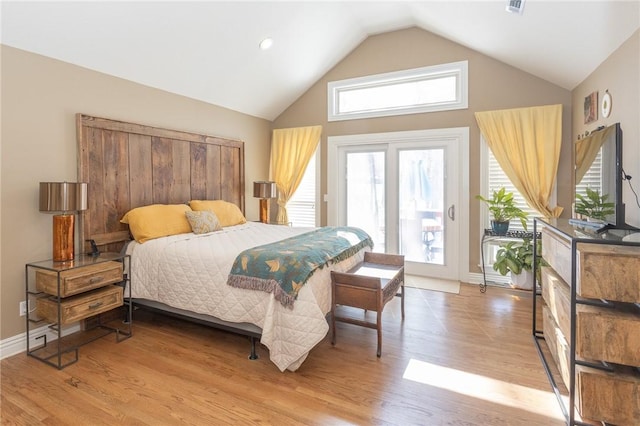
17	344
492	279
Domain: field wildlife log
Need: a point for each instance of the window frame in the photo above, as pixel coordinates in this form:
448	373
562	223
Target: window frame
456	69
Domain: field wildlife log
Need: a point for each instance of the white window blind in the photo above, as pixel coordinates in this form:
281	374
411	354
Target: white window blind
301	208
593	178
498	179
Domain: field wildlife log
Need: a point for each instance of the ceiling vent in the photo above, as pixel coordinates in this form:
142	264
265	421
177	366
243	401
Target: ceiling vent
515	6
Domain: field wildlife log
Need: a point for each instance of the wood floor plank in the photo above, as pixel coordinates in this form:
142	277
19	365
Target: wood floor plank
456	359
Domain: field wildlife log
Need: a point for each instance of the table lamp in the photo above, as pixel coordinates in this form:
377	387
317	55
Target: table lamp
264	191
65	198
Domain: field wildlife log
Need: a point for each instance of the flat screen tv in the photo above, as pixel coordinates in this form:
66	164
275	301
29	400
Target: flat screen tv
598	167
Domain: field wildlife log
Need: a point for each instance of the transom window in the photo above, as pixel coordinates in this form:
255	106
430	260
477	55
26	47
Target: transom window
434	88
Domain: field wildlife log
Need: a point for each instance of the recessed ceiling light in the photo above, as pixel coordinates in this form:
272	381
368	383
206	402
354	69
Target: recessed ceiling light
266	43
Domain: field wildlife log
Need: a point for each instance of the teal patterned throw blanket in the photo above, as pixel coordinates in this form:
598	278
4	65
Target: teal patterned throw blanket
283	267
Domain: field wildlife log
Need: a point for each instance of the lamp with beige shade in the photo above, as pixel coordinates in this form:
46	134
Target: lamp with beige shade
65	198
264	190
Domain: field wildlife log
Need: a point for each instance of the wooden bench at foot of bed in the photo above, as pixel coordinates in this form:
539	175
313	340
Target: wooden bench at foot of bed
369	285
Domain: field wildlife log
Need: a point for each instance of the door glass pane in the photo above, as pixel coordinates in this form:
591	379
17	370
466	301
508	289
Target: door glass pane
365	195
421	198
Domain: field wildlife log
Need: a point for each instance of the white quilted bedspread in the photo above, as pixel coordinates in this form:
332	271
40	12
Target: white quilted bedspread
189	271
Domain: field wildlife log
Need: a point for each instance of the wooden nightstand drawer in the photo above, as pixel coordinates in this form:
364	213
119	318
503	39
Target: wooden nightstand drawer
79	307
74	281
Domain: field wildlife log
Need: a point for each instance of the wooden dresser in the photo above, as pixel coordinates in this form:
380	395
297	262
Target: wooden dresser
590	298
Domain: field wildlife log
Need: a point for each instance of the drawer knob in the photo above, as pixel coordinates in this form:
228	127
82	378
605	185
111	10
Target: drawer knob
95	305
96	279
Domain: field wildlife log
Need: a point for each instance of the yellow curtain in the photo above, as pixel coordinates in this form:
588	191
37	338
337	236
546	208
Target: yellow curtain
526	143
291	150
587	150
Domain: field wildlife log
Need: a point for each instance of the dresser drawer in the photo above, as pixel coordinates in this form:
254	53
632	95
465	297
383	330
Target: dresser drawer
601	334
609	272
608	335
555	293
76	308
609	397
557	252
557	344
74	281
600	396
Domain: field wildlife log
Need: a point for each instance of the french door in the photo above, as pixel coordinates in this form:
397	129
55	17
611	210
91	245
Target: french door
403	188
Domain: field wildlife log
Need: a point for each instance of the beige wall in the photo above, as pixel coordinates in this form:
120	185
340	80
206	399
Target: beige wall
40	97
620	75
492	85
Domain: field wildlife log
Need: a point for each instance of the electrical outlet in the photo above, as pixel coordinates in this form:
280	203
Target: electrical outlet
23	308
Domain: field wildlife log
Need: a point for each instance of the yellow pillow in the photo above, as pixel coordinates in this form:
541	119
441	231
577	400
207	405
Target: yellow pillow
157	220
228	213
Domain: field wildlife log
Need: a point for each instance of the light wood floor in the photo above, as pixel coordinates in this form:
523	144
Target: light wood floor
466	359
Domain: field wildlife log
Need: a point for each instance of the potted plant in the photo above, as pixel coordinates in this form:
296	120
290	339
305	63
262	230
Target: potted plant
503	208
593	205
516	257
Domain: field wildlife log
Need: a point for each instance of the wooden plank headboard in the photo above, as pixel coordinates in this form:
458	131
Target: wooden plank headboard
130	165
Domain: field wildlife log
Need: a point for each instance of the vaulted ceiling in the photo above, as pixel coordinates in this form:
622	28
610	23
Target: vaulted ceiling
209	50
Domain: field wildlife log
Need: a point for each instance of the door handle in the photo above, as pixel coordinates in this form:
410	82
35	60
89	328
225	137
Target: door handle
451	212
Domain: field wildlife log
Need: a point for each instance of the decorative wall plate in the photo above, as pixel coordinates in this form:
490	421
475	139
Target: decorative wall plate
606	105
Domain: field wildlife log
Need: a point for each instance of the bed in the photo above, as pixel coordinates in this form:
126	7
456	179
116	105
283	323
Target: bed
189	272
127	165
